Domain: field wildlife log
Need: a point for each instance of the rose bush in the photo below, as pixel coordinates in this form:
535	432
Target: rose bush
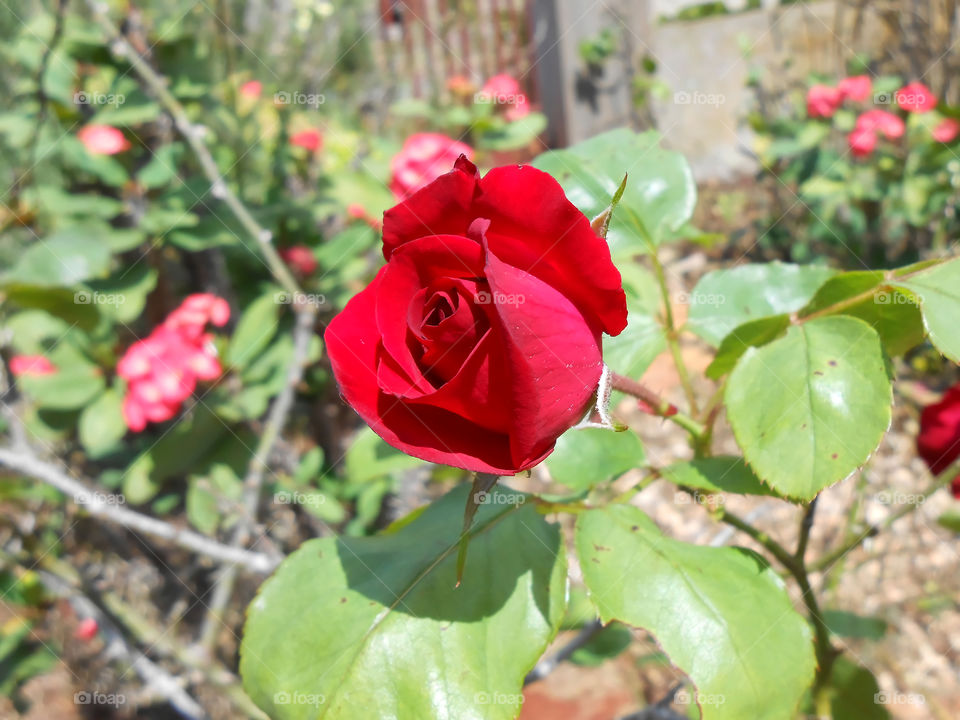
479	342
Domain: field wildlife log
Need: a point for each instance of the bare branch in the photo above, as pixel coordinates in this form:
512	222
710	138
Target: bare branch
29	464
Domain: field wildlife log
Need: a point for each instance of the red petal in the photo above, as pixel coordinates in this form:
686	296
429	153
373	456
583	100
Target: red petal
534	227
553	354
440	208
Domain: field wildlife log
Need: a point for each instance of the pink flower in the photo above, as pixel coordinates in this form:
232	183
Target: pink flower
882	121
251	89
162	370
359	212
856	88
423	158
823	101
309	139
520	109
103	140
502	89
946	130
862	142
300	258
916	97
32	365
460	85
86	630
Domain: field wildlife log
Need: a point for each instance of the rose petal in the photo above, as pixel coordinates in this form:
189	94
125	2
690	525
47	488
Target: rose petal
352	344
534	227
553	354
441	208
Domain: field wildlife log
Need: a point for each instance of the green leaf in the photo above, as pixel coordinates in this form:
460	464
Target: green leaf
64	258
178	451
856	693
255	330
722	473
809	408
721	614
358	627
59	302
76	382
369	458
950	521
123	295
893	314
660	194
851	625
725	299
101	426
753	333
607	643
514	135
631	352
588	456
938	291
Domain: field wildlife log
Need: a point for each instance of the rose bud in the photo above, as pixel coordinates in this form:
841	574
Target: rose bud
479	342
938	442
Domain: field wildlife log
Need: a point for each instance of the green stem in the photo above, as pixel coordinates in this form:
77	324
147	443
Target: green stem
657	404
673	335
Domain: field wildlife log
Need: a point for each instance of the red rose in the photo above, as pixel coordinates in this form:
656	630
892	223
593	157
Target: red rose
856	88
300	258
916	97
308	139
479	342
946	130
862	142
881	121
823	101
421	160
939	440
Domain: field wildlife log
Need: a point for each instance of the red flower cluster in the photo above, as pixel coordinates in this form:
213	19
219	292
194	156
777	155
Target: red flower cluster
939	440
103	140
309	139
300	258
33	365
162	370
824	100
423	158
